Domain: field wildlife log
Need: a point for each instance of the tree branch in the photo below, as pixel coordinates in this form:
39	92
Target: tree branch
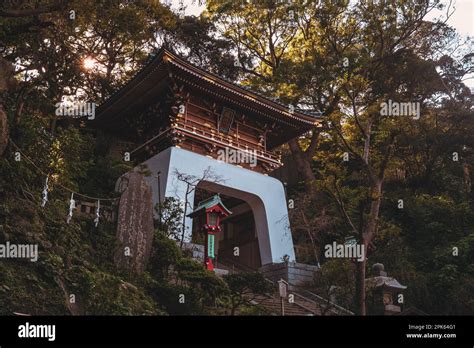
58	5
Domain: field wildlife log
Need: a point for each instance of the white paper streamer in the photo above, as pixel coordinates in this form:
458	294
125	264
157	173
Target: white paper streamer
45	192
72	205
97	213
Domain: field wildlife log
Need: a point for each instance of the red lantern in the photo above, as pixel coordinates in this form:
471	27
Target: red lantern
215	210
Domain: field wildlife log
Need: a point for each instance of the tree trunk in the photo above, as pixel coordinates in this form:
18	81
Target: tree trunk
3	130
303	165
360	287
467	177
366	238
183	232
6	82
372	223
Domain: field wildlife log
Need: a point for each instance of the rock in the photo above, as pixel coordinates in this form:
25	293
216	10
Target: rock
135	225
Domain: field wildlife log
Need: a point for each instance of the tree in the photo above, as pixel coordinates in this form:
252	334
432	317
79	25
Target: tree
335	282
170	221
245	287
192	182
164	254
6	82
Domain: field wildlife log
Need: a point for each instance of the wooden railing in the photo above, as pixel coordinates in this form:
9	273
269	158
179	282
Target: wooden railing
219	139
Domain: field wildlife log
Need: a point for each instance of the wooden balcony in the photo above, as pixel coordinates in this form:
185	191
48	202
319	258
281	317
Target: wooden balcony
210	136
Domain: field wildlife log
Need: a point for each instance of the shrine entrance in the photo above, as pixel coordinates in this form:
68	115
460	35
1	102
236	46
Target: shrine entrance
175	120
263	194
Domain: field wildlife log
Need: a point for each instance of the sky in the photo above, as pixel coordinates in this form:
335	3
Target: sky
462	19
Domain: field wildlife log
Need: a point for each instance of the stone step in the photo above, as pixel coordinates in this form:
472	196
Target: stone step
301	305
273	304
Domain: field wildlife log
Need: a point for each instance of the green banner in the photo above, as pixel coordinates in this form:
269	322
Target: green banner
210	246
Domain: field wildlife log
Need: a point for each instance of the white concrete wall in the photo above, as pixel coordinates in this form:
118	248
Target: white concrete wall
264	194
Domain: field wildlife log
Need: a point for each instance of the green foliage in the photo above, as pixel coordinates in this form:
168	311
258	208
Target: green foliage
178	299
335	280
25	289
254	310
171	221
244	287
103	293
209	286
182	285
165	252
431	226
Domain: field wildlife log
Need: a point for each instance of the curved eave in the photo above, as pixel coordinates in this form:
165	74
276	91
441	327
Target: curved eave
145	79
218	83
146	83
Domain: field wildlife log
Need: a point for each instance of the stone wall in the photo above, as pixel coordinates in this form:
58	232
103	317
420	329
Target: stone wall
197	250
293	272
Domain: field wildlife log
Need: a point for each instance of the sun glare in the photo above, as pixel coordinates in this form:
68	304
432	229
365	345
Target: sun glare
89	63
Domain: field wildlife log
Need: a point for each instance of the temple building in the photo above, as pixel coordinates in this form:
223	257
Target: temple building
203	135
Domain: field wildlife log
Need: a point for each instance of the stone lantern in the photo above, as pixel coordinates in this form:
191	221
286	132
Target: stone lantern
387	291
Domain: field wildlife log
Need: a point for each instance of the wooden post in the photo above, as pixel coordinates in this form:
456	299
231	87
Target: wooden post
283	292
159	196
282	306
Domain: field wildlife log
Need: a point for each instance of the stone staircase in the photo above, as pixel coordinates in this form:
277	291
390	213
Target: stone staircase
273	305
308	304
301	302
